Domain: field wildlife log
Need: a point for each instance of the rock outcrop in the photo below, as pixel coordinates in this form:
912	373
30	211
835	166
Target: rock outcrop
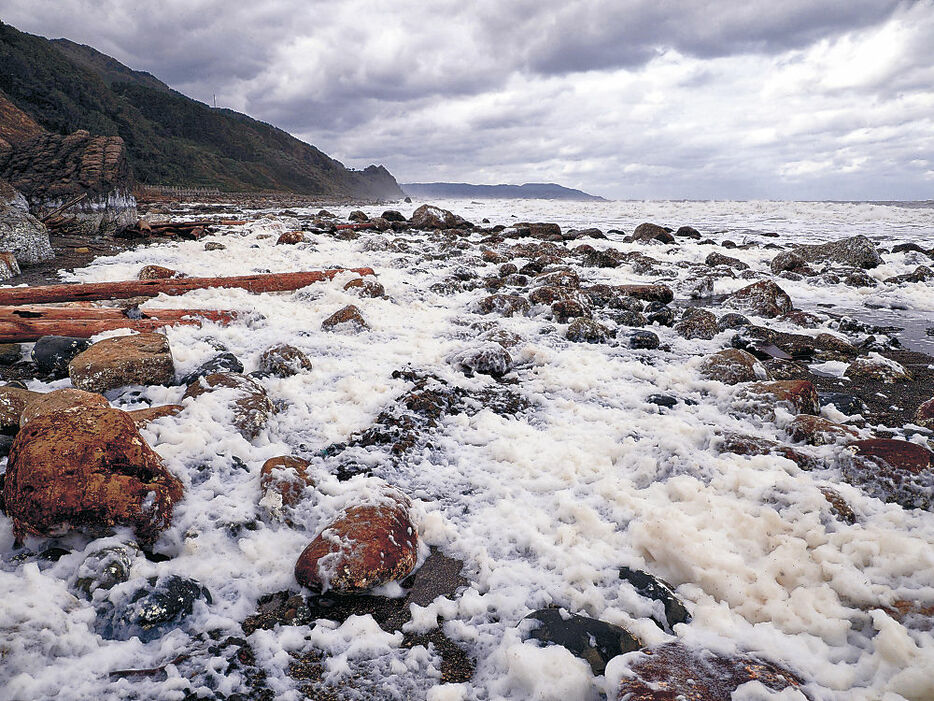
21	233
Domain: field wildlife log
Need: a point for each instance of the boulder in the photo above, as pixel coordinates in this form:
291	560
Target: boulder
564	310
558	278
789	261
347	318
895	471
688	232
429	217
714	259
284	360
157	272
88	469
648	231
740	444
878	368
763	298
143	417
644	340
151	611
13	401
546	231
489	358
365	287
697	323
141	359
675	671
732	366
250	406
290	238
105	568
504	305
594	641
856	251
51	354
224	361
798	396
21	233
651	587
9	267
366	546
816	430
587	331
282	481
61	400
925	414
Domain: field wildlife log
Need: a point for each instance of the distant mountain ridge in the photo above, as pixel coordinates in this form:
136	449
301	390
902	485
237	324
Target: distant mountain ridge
170	138
540	191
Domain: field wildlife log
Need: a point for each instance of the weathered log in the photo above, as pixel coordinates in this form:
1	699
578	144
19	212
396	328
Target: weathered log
26	330
45	313
269	282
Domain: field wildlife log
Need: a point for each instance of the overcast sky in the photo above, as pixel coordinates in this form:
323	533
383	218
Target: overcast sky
803	99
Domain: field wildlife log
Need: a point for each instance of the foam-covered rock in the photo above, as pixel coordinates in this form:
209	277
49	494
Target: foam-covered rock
142	359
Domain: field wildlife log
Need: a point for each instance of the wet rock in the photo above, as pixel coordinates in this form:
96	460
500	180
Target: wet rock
624	317
365	287
848	404
647	231
920	274
673	671
697	323
546	231
666	401
658	313
358	216
222	362
838	505
763	298
348	318
714	259
732	366
105	568
13	401
564	310
153	610
798	396
594	641
157	272
559	278
366	546
250	406
282	481
789	261
549	294
504	305
10	353
699	288
290	238
61	400
21	233
644	340
214	246
732	320
673	611
859	278
740	444
143	417
925	414
487	359
284	360
87	470
816	430
805	320
142	359
600	259
51	354
688	232
587	331
878	368
429	217
783	369
857	251
892	470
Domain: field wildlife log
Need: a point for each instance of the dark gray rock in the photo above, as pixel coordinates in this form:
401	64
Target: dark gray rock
151	611
658	590
21	233
489	358
697	323
587	331
594	641
222	362
51	354
644	340
856	251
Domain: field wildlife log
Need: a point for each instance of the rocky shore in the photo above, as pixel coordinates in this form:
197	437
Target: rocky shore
519	461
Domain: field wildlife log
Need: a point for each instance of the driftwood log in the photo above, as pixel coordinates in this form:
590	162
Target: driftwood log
18	330
270	282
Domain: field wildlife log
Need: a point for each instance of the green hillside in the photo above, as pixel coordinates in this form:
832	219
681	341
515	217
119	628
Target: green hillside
170	138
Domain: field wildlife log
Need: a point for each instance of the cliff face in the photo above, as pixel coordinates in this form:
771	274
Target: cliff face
15	125
170	139
50	169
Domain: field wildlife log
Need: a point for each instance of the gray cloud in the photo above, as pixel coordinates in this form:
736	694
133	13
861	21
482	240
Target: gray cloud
626	97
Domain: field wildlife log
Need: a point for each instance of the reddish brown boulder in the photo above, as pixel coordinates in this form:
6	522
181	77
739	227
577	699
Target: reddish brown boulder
290	238
157	272
895	471
89	470
816	430
879	368
282	481
60	400
284	360
505	305
368	545
365	287
143	359
925	414
740	444
798	396
673	671
250	407
12	402
349	317
732	366
838	505
143	417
